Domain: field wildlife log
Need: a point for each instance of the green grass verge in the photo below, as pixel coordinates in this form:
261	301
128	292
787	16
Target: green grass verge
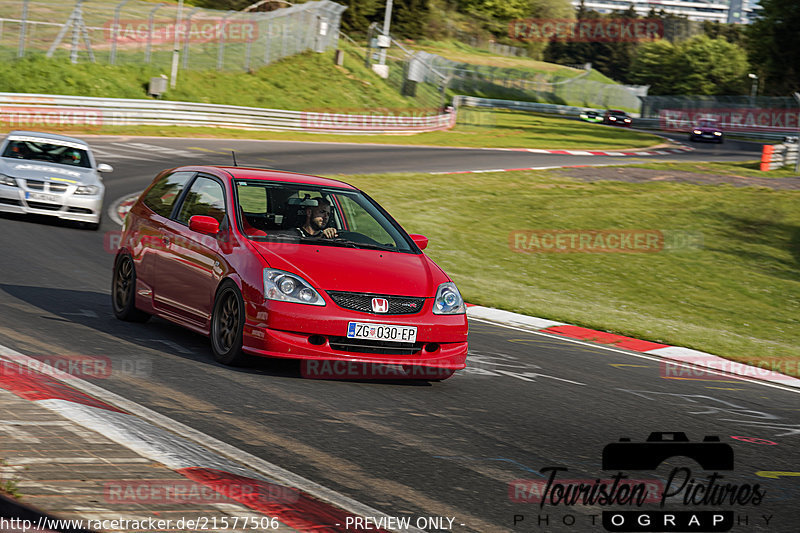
464	53
737	295
476	129
308	81
746	169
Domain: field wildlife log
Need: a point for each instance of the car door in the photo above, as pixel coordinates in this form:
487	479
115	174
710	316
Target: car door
192	265
160	200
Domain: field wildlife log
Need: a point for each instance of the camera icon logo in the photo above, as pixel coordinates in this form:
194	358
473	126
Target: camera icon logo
711	454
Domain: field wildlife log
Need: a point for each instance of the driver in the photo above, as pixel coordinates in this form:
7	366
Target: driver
316	221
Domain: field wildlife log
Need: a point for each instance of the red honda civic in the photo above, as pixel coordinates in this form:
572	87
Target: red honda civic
277	264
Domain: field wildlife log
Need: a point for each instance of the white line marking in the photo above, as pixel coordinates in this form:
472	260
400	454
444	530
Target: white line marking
159	150
640	355
79	460
112	155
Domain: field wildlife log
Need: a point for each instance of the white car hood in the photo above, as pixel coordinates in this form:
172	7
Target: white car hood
44	171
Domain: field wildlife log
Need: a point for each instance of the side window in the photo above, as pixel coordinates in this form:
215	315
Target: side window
161	197
205	197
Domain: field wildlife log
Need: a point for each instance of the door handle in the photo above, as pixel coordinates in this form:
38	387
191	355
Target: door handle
165	240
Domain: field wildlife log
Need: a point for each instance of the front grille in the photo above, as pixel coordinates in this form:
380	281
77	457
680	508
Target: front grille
42	205
356	301
10	201
58	187
36	185
81	210
343	344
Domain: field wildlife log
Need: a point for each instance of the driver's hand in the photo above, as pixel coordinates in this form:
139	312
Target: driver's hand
330	233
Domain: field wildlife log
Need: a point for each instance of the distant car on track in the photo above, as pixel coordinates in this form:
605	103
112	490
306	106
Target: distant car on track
707	129
223	251
615	117
591	115
53	175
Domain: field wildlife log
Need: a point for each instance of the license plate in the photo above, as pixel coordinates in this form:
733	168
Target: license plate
41	196
381	332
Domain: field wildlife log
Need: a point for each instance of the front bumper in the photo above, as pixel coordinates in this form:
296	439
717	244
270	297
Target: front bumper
306	332
67	206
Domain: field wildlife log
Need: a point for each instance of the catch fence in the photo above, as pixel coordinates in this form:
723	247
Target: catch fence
138	32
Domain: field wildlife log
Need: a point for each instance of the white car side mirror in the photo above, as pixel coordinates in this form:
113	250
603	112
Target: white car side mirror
102	167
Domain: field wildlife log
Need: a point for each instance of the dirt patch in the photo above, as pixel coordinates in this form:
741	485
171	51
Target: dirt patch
644	175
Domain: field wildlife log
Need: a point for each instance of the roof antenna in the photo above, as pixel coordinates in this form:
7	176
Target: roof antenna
234	158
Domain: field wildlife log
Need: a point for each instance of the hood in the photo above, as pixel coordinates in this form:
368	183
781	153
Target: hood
334	268
42	170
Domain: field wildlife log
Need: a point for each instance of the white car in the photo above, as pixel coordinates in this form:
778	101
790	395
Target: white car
49	174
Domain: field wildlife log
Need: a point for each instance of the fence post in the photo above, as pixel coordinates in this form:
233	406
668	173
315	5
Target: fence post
221	45
115	31
187	37
22	29
150	29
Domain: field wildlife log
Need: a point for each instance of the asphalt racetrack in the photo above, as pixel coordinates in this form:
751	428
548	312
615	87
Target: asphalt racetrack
477	447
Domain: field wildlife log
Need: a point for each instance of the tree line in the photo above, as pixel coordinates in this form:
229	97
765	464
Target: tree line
715	60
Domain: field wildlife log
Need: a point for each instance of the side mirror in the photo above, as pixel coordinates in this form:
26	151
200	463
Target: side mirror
102	167
419	240
204	224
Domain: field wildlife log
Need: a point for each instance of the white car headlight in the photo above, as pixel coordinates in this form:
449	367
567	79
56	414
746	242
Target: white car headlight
87	190
8	180
448	300
288	287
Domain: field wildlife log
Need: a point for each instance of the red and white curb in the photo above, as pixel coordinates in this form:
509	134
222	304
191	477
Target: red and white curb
695	360
615	153
119	209
516	169
297	502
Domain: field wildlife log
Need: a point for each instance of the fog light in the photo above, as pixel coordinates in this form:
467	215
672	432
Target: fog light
431	347
316	340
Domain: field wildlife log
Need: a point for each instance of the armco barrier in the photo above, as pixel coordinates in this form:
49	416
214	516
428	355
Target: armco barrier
35	111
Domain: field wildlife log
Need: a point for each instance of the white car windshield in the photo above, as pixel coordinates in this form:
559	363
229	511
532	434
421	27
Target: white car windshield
51	151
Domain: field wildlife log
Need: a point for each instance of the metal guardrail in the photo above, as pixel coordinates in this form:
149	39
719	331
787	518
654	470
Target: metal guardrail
535	107
41	110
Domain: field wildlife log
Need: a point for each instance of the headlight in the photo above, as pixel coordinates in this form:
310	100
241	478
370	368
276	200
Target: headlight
87	189
717	133
8	180
697	132
287	287
448	300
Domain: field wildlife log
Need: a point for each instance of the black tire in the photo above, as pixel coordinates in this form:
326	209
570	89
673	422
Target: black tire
123	291
227	325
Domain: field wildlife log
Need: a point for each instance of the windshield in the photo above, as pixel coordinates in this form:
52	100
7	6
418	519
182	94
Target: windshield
301	213
49	150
